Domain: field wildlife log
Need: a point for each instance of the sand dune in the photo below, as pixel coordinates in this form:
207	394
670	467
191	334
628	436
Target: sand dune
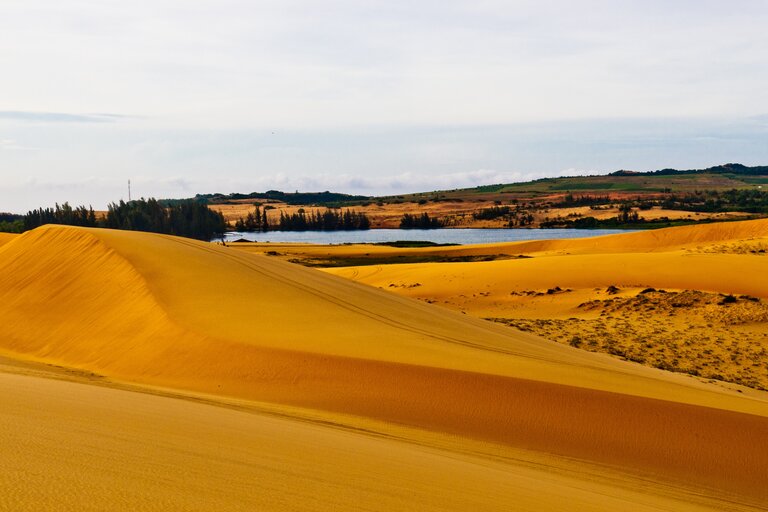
69	446
656	240
572	291
163	311
724	273
677	258
6	237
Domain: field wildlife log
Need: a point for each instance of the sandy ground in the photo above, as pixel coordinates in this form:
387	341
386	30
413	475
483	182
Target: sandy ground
71	445
655	297
6	237
440	397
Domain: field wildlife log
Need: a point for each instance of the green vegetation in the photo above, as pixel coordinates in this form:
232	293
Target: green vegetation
722	177
733	169
293	198
254	221
188	218
11	223
571	201
423	221
413	243
359	261
330	220
60	214
491	213
749	201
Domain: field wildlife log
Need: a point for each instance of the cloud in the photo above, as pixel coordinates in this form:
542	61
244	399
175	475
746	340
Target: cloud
12	145
58	117
405	182
761	119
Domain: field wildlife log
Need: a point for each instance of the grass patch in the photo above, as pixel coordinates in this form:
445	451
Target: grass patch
413	243
361	261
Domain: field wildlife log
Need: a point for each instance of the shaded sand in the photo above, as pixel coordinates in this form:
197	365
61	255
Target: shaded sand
69	446
163	311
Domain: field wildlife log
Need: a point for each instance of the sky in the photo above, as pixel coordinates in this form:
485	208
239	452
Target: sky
372	97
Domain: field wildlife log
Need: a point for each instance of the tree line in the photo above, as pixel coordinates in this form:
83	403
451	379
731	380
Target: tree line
11	223
423	221
292	198
188	218
254	221
329	220
734	200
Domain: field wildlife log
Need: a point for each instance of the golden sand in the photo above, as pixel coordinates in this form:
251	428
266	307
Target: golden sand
600	294
7	237
224	324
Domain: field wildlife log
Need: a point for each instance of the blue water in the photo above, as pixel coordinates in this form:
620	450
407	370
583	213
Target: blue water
440	236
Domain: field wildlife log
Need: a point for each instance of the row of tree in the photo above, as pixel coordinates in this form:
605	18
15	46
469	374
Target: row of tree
11	223
744	200
329	220
423	221
60	214
189	218
254	221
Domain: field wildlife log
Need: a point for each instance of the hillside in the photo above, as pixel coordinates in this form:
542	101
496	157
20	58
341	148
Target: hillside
625	199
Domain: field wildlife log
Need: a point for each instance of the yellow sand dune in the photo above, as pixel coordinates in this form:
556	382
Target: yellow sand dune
166	311
68	446
666	258
7	237
551	292
723	273
654	240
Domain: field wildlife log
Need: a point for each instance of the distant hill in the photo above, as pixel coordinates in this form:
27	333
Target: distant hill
738	169
721	177
293	198
718	178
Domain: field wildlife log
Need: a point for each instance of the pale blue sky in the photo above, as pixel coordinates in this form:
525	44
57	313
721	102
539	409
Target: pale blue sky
376	97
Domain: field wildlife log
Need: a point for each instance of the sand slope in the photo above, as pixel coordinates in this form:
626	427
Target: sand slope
690	257
69	446
166	311
567	290
657	240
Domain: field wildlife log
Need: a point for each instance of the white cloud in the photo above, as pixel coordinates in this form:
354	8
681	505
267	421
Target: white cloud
12	145
366	95
270	63
57	117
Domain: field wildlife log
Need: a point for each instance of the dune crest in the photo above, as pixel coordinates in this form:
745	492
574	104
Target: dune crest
70	298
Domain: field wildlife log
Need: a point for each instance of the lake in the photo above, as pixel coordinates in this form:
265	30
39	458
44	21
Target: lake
439	236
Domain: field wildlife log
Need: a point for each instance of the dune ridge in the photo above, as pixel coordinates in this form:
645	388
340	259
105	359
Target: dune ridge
165	311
